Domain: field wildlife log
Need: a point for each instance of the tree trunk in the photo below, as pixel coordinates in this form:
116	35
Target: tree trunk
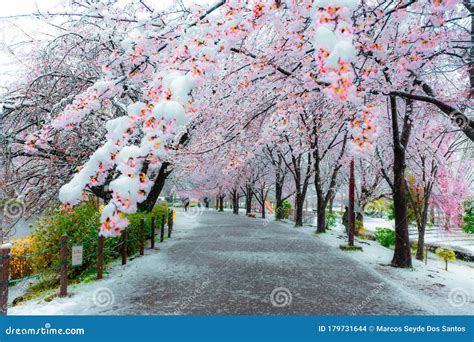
432	214
331	202
221	203
321	218
421	243
299	199
278	201
148	204
402	254
422	227
248	201
321	207
470	7
235	203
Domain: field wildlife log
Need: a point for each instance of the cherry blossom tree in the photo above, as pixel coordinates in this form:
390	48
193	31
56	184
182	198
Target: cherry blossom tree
176	88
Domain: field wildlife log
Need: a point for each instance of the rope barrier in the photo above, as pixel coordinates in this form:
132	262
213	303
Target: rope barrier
34	276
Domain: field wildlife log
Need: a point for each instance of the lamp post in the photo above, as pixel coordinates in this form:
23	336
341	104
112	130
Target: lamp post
351	214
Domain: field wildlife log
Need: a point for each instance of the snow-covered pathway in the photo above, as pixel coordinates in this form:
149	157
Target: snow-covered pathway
217	263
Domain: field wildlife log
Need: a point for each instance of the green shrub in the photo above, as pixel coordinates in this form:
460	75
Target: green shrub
286	205
331	219
385	236
446	254
377	208
468	217
359	224
81	224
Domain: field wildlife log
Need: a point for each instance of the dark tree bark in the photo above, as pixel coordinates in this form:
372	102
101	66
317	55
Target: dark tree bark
470	7
248	199
299	199
221	202
421	243
323	197
421	215
331	202
402	255
278	201
321	214
279	183
148	204
261	197
235	202
301	182
420	204
465	124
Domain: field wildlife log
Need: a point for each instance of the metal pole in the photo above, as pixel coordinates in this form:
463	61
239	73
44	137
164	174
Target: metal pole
351	214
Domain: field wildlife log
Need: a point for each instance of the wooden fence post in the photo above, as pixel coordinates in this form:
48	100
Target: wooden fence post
142	236
124	247
4	278
170	222
100	257
63	267
162	233
153	227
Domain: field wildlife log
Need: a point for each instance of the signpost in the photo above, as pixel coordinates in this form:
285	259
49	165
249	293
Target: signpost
77	252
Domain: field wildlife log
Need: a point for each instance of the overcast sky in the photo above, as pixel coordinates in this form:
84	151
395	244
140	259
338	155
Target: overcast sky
13	31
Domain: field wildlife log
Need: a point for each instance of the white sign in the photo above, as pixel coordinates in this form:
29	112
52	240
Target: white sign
77	255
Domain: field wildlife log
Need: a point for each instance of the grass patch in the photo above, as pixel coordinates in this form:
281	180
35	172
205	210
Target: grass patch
350	248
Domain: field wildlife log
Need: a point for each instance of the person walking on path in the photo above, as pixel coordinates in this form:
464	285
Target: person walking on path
186	204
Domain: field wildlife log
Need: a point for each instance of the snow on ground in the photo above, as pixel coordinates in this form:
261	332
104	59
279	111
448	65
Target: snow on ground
446	292
449	292
435	236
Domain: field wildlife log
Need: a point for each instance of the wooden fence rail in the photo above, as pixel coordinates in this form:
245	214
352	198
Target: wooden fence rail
64	256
